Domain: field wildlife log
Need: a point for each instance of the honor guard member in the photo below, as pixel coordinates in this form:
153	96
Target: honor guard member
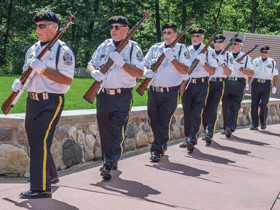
115	98
195	95
235	87
265	72
216	89
45	102
163	93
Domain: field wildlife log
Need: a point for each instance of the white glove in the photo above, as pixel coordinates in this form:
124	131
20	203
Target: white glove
247	87
168	54
149	73
37	65
97	75
202	58
273	90
237	65
16	85
221	59
117	58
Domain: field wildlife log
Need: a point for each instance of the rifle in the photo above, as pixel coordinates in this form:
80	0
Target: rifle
229	44
186	83
29	73
247	53
142	87
94	88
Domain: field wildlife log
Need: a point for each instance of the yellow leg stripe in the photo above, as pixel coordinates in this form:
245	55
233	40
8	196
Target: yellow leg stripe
45	145
203	109
122	138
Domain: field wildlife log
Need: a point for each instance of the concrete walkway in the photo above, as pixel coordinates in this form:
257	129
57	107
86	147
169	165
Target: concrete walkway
240	173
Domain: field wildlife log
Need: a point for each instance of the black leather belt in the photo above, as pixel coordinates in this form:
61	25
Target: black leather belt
217	79
236	79
42	96
164	89
115	91
262	80
199	80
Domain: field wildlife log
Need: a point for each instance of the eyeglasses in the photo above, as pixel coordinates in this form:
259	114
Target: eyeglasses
264	51
218	42
44	25
235	43
197	36
168	33
117	27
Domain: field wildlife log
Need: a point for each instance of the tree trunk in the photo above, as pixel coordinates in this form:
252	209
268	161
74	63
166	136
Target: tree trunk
158	21
254	13
6	35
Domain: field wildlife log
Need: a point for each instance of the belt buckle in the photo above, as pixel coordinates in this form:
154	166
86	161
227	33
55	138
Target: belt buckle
119	90
111	92
235	78
231	78
193	80
202	79
159	89
45	96
262	80
34	96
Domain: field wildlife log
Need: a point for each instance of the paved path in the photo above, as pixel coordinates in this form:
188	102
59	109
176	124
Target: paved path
240	173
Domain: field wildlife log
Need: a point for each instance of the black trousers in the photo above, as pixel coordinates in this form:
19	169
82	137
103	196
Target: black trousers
233	95
193	103
209	117
161	107
260	98
40	123
112	116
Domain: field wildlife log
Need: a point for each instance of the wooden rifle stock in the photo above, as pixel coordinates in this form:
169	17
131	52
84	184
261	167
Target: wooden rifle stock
13	98
196	61
247	53
94	88
143	86
229	44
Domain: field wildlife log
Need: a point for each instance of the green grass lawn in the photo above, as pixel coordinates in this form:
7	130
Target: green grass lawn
73	99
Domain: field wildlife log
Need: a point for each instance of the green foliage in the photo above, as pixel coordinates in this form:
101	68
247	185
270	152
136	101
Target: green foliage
90	29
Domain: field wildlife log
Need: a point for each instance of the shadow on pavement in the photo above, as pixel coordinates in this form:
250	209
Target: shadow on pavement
217	146
44	204
269	133
246	141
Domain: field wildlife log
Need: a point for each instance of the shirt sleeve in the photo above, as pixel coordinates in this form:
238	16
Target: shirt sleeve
137	58
96	57
66	62
184	56
211	58
275	70
148	58
249	64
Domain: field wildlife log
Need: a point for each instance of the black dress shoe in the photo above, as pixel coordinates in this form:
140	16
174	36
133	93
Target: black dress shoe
208	140
253	128
35	194
184	144
155	157
228	132
263	127
115	167
106	172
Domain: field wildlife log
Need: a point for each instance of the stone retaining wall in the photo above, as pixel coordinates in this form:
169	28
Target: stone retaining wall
77	139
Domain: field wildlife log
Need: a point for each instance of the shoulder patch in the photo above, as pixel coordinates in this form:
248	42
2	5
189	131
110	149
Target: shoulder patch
30	56
68	58
139	55
269	66
187	55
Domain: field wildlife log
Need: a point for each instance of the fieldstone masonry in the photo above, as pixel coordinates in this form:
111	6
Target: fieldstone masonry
77	139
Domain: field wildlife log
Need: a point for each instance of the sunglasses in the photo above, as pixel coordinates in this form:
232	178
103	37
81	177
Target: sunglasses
197	36
264	52
235	43
168	33
44	25
116	27
218	42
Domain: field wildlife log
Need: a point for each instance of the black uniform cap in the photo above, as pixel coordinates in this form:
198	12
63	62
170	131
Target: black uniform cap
237	40
220	36
197	31
117	19
265	47
46	16
169	25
